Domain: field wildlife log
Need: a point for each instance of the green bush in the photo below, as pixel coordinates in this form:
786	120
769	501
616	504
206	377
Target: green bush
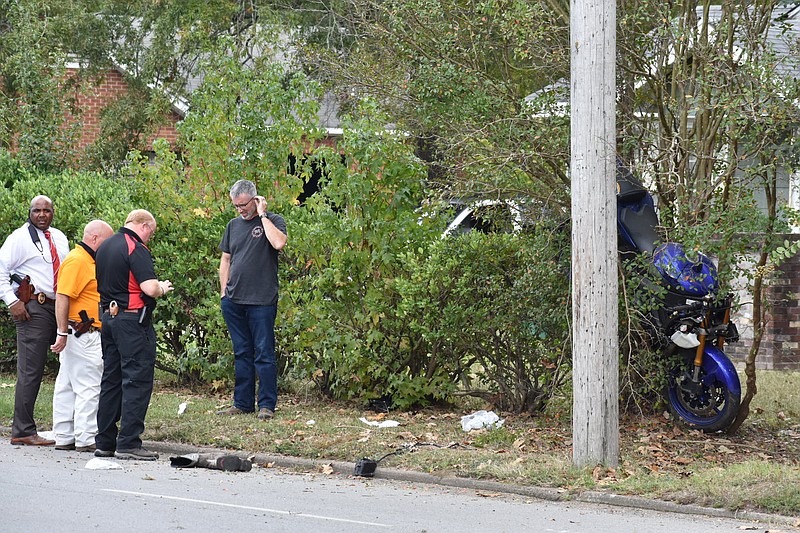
494	310
338	320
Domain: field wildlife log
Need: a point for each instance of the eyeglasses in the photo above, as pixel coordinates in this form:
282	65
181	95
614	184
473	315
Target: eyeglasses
242	206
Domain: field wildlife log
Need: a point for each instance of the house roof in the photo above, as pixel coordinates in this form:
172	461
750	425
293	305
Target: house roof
328	114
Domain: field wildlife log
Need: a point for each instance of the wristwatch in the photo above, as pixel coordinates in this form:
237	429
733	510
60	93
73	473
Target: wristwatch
263	215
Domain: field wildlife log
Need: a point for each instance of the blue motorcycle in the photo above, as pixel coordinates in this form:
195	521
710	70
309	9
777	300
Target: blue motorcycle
692	322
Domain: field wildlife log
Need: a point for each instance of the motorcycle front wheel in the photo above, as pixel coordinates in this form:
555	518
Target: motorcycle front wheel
711	403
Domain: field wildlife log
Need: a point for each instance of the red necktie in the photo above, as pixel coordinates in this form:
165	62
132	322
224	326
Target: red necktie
56	260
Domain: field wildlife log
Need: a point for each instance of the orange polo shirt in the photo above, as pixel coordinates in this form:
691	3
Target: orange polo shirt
76	279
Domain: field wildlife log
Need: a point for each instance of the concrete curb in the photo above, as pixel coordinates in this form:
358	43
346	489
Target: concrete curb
542	493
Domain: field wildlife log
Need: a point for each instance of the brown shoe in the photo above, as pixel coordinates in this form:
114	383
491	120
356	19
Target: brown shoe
66	447
89	448
231	411
265	414
31	440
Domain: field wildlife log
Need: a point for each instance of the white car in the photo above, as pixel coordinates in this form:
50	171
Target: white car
487	216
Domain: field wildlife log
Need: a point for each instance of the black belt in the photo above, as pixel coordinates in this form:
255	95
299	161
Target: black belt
42	298
123	310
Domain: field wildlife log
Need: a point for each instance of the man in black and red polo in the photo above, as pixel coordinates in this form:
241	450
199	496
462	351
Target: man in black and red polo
128	287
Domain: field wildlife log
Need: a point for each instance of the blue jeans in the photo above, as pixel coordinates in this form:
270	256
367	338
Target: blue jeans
252	329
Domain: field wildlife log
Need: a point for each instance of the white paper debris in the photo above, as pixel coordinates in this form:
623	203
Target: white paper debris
481	419
102	464
382	424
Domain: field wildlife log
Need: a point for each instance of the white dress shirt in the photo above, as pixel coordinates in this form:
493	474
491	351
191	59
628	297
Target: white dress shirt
19	255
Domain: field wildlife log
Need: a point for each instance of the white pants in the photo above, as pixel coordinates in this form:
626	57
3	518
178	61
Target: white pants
77	390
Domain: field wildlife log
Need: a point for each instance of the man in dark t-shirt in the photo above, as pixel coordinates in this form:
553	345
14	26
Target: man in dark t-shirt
248	276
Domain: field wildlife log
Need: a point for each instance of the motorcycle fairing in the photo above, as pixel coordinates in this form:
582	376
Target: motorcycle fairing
718	367
696	277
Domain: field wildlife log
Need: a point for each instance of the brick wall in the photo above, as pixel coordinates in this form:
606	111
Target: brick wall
780	347
91	99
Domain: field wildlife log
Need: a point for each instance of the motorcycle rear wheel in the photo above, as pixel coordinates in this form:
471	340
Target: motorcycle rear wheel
709	406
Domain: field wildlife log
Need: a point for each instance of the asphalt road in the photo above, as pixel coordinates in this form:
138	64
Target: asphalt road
48	490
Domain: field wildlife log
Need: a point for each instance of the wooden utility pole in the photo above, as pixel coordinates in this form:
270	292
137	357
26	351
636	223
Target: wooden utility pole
595	346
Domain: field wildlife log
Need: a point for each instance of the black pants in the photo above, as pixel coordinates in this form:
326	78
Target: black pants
129	358
34	338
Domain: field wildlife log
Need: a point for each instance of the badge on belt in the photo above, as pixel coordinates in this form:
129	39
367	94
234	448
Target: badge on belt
41	298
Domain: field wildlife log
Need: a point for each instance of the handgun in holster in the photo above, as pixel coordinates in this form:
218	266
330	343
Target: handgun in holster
79	328
25	290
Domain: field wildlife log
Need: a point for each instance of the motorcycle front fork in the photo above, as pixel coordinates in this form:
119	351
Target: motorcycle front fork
702	335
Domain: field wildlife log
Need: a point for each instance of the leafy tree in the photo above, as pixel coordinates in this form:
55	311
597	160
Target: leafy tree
455	75
32	58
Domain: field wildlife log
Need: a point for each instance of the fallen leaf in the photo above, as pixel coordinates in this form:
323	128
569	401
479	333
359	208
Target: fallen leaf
327	469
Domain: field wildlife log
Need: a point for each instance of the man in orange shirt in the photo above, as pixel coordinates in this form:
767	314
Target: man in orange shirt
77	388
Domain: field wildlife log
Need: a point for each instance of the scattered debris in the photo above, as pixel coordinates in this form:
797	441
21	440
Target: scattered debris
102	464
381	424
481	419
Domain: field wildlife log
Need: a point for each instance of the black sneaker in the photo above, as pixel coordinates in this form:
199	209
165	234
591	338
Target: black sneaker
136	453
103	453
